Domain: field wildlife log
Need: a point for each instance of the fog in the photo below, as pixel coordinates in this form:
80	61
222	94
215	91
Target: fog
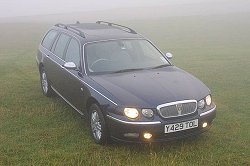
122	8
11	8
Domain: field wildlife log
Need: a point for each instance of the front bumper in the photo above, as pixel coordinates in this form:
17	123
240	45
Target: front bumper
132	131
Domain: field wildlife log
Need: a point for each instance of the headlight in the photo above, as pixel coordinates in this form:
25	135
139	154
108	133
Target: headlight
209	100
148	113
201	103
131	113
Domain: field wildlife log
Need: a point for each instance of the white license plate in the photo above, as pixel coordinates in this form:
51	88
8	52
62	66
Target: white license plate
181	126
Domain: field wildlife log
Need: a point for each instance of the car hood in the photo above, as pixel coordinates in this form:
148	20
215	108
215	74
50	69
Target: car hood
149	88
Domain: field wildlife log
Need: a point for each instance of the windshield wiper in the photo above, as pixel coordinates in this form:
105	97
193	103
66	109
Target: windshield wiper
161	66
127	70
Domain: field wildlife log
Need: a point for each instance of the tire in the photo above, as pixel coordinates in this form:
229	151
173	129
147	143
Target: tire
45	85
97	125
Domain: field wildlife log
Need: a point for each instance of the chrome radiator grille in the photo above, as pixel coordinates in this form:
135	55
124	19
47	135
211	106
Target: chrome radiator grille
178	108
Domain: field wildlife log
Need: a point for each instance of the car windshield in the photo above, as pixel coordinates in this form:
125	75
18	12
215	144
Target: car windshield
122	56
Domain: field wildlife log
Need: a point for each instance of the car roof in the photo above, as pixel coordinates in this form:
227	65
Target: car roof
100	30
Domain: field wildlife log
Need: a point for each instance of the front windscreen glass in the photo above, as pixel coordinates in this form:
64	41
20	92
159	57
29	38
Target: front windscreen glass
122	55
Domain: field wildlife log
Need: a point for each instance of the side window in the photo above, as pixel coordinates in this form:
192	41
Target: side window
61	45
49	39
73	53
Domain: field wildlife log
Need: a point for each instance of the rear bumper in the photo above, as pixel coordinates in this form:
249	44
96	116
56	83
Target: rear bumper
133	131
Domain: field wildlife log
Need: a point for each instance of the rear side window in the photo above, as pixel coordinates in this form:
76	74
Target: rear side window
49	39
61	45
73	53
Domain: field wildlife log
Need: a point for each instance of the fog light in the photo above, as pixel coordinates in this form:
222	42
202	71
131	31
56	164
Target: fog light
148	113
147	135
204	124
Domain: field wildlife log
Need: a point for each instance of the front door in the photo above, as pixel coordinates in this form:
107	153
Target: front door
72	87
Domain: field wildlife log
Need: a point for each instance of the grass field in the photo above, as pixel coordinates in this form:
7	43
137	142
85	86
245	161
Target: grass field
35	130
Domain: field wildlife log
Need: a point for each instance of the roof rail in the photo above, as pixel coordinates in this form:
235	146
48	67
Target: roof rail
127	29
72	29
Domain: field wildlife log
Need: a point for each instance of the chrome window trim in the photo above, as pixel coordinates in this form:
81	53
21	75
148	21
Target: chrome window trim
174	103
134	123
80	112
208	112
81	80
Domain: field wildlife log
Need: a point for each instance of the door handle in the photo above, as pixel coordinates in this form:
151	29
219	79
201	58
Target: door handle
62	67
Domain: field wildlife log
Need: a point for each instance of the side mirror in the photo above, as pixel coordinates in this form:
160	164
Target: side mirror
70	65
169	55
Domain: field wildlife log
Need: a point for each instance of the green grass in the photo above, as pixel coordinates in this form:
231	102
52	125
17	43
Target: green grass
35	130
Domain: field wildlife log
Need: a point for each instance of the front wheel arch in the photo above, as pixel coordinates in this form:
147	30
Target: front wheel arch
91	101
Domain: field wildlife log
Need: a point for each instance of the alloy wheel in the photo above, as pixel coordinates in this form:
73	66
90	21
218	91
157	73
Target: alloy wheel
44	82
96	125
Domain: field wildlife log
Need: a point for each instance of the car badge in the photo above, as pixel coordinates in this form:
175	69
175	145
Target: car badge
179	108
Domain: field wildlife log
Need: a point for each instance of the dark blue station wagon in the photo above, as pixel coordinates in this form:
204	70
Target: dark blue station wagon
128	90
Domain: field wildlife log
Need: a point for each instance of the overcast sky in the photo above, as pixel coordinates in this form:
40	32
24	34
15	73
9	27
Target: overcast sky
11	8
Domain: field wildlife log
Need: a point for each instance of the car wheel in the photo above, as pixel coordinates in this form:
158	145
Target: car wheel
97	125
45	85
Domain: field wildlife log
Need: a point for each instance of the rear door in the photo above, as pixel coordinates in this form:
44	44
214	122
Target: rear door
54	64
44	52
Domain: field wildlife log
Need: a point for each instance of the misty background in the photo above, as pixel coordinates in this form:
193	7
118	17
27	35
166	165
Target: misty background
208	38
91	10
